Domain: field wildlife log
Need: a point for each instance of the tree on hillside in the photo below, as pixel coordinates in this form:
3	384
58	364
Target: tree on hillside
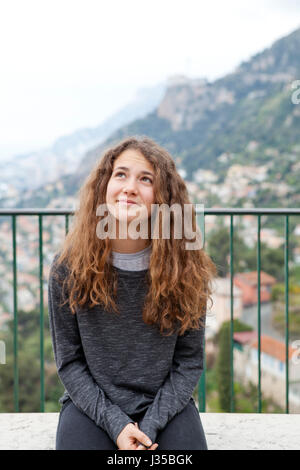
223	368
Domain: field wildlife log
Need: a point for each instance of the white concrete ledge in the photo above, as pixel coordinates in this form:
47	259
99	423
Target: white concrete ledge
224	431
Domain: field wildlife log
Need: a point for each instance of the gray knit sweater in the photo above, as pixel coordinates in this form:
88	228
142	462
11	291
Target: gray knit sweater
115	366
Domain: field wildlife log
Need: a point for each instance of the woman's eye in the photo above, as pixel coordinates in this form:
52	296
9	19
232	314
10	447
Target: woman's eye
149	179
120	173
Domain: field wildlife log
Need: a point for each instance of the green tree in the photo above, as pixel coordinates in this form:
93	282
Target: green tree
29	366
223	367
219	250
272	260
244	258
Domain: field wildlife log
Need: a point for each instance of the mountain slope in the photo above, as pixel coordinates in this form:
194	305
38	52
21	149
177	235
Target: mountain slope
198	121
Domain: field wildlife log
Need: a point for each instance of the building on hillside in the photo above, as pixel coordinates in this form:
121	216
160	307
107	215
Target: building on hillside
296	255
248	284
221	308
273	365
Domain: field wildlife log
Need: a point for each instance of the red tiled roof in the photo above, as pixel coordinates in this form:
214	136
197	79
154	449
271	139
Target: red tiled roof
251	278
247	282
273	347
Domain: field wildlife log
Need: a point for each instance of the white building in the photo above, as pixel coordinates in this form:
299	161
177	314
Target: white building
221	308
273	365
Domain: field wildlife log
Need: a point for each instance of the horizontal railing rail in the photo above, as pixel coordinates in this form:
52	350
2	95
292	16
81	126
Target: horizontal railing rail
259	212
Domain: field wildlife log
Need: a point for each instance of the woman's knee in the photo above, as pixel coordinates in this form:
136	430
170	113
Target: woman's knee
183	432
76	431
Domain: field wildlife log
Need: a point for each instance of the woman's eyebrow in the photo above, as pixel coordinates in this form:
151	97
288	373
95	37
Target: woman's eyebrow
145	172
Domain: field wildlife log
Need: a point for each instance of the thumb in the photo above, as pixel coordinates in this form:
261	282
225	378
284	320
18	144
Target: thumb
143	438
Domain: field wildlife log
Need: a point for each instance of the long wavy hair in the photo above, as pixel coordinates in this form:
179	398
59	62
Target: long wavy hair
178	289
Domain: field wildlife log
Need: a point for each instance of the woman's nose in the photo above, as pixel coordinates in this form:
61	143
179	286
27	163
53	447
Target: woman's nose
130	185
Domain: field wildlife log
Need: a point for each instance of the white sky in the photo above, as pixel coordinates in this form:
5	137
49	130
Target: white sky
67	64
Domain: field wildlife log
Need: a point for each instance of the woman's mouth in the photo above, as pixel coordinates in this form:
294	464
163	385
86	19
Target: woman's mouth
125	201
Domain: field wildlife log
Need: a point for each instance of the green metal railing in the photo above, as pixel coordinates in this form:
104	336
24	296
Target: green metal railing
14	213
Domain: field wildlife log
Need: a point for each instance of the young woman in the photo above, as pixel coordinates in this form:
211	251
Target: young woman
127	313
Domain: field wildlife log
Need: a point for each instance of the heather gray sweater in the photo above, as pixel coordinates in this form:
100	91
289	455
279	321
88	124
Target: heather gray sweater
115	366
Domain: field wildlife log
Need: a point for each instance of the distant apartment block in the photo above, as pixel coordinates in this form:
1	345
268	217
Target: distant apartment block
221	308
273	367
248	282
244	296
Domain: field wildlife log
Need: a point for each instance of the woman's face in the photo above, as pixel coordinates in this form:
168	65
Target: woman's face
130	190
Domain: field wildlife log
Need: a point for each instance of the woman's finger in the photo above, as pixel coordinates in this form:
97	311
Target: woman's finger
142	437
153	447
141	447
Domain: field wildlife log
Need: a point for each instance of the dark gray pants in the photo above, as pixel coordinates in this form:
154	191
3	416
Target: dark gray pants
76	431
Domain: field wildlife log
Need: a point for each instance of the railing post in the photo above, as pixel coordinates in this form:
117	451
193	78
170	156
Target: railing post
67	223
202	381
202	385
258	312
42	372
16	366
232	407
286	265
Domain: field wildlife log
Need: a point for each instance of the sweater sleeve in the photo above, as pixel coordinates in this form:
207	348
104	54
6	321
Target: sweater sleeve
71	364
178	387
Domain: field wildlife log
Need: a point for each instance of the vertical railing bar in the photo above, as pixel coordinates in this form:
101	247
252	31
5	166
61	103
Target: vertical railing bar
231	318
202	381
42	371
286	265
258	309
15	331
67	223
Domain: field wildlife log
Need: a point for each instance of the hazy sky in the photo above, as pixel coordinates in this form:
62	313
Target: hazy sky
67	64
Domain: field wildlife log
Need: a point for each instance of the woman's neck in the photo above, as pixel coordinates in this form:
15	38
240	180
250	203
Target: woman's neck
129	245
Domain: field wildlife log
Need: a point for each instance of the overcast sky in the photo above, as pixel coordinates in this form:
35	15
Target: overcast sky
67	64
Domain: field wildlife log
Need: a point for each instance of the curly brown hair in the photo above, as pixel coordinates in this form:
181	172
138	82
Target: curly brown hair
178	288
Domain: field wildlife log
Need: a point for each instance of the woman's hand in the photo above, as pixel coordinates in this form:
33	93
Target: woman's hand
130	438
142	447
